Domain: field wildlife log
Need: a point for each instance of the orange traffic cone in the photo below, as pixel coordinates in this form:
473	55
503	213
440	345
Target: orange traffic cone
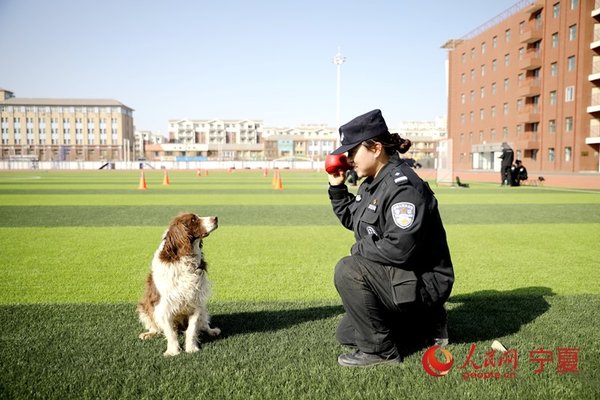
143	185
275	177
166	181
279	184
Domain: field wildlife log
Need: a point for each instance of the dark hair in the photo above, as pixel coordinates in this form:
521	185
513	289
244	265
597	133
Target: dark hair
391	142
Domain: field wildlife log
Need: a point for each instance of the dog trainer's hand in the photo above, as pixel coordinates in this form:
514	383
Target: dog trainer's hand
337	178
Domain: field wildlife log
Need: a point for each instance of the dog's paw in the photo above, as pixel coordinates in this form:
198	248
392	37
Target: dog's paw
146	335
192	349
214	331
171	352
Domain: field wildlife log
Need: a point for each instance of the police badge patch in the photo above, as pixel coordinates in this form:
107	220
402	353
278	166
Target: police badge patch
403	214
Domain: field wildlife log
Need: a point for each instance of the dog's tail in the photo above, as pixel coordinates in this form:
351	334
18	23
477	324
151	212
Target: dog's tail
146	306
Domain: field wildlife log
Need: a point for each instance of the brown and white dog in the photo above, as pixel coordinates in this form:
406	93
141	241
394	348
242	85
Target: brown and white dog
177	288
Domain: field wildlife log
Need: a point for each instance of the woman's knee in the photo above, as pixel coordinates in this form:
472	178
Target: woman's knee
345	270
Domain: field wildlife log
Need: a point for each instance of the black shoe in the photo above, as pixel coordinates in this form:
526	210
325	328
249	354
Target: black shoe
360	359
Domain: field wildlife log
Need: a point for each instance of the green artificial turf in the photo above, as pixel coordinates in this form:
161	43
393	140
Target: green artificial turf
76	247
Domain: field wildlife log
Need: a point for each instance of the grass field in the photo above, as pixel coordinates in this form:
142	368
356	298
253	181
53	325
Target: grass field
76	246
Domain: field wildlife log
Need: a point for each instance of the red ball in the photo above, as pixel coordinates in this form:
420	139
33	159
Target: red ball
335	162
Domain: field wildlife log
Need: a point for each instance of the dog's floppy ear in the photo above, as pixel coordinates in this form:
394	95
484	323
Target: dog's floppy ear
177	243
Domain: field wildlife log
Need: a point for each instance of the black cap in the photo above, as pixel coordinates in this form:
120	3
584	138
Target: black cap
361	128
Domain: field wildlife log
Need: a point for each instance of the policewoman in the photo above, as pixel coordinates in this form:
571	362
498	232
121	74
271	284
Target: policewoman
400	266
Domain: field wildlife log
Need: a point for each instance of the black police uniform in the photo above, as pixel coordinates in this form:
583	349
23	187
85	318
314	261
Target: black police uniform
507	157
400	261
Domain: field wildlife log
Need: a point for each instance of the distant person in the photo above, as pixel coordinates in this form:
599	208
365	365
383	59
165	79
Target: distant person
507	157
352	177
400	264
518	173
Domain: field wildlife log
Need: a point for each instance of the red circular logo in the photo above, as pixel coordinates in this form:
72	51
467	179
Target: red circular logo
432	365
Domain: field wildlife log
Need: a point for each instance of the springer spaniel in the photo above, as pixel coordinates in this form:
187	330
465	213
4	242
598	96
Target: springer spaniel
177	288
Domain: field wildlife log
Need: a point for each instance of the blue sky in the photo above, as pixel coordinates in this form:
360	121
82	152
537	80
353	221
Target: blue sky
234	59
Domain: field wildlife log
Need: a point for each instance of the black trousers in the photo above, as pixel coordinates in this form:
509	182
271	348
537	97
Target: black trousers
378	320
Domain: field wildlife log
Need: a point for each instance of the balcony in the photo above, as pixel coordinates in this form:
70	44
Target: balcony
596	10
529	114
595	73
530	87
534	6
594	136
595	43
531	60
528	140
531	34
594	106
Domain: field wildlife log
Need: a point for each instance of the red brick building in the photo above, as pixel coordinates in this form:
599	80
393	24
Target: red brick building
531	78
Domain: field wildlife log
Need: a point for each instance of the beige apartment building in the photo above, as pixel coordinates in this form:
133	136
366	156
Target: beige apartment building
64	129
211	139
530	78
424	136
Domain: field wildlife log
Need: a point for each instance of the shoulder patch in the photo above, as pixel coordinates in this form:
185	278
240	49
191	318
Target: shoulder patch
399	177
403	214
400	180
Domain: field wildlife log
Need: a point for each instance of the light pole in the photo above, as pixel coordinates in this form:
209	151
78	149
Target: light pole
338	60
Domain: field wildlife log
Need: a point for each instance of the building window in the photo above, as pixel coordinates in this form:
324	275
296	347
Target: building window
571	63
555	40
574	4
494	64
569	93
506	84
462	98
493	111
463	78
554	69
573	32
569	124
504	134
506	60
556	10
483	48
507	35
533	154
553	97
482	92
481	114
495	41
552	126
505	108
551	154
493	87
483	70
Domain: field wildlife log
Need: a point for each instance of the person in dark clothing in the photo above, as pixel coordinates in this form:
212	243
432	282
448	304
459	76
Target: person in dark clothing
507	157
352	177
400	264
518	173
